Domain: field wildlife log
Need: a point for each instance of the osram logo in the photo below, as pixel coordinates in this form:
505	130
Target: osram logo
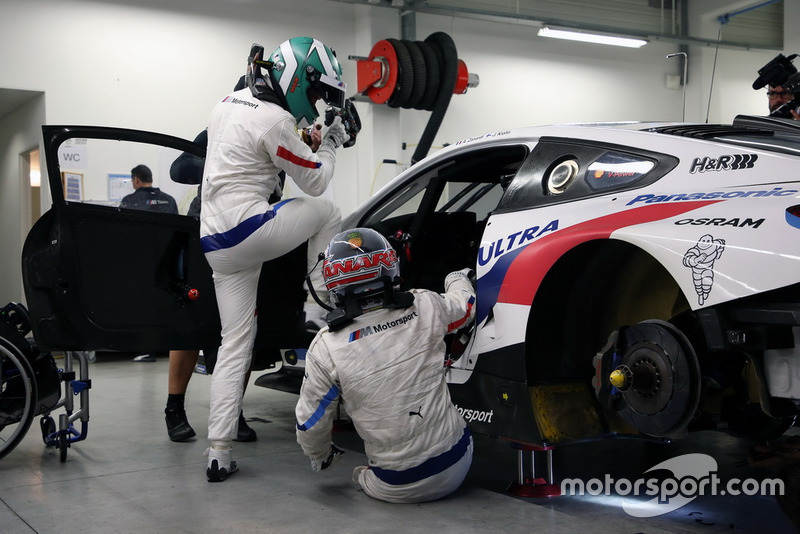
723	163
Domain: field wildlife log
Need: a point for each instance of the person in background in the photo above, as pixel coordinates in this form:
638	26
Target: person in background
777	96
181	367
252	137
383	353
780	77
145	196
148	198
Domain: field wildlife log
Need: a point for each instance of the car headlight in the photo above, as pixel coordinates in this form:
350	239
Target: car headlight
561	176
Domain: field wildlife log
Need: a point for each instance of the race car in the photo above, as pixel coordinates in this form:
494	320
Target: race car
633	279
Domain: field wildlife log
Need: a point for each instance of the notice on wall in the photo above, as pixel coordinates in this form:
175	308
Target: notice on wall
72	182
119	185
72	154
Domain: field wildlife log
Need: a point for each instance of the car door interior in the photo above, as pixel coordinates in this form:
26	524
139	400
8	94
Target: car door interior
436	222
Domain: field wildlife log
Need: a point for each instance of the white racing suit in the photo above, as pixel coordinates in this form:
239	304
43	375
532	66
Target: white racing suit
388	367
249	142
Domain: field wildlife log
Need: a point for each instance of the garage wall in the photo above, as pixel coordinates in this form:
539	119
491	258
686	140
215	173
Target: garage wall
19	132
162	64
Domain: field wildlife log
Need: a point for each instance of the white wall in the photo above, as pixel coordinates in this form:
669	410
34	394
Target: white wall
162	64
19	132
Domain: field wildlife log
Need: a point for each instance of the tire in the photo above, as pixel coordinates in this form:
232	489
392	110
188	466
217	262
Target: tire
17	396
48	427
63	444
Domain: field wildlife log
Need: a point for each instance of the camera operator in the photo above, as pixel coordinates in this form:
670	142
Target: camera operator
784	100
780	75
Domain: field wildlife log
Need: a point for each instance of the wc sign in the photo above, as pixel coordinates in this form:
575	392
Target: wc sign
72	154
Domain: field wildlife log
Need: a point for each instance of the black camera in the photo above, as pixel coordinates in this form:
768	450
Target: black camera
776	72
350	120
791	85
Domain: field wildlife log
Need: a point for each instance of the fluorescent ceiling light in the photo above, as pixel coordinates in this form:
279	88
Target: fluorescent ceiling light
591	37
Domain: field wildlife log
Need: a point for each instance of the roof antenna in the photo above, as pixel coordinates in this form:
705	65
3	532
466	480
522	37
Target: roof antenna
685	67
714	69
724	19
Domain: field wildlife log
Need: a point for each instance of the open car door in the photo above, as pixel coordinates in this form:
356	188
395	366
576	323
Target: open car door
101	277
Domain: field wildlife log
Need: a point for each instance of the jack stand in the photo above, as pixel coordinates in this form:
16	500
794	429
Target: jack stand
533	486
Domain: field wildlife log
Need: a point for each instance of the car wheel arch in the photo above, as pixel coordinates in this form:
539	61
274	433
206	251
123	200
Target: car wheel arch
588	292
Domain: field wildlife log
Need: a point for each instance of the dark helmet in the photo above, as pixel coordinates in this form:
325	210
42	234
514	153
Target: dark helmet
359	262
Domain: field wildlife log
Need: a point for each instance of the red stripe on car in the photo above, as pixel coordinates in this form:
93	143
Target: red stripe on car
529	268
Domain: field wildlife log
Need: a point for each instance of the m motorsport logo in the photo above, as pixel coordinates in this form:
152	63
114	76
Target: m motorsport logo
381	327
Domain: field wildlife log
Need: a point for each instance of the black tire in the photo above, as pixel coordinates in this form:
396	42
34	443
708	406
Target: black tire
63	444
48	427
17	396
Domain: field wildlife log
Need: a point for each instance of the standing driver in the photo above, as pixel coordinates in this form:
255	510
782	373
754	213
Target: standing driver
252	137
383	354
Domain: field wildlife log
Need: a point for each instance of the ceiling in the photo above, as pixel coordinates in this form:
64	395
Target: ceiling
749	23
756	24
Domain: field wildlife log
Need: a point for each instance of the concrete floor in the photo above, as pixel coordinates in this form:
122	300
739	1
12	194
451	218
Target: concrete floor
128	477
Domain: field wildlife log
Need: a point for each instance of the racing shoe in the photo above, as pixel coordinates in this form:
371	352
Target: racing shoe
244	432
178	426
220	464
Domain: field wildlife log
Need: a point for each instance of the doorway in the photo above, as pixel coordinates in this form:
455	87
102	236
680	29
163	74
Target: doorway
31	188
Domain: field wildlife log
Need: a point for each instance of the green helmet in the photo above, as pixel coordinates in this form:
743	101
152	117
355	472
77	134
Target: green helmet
303	70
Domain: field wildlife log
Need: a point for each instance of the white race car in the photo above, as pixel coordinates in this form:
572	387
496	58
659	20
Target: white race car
633	279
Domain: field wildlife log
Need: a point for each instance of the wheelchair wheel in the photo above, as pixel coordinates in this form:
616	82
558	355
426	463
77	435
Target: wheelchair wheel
63	445
48	426
17	396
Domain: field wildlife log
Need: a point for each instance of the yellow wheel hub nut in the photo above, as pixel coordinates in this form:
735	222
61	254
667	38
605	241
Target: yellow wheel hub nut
617	379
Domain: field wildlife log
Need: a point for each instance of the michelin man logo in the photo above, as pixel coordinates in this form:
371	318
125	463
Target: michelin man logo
700	259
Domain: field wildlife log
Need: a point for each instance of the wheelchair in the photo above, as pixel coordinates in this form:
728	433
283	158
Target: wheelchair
30	385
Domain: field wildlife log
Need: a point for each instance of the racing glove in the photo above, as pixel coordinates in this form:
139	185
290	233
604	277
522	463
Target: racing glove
321	464
467	273
334	136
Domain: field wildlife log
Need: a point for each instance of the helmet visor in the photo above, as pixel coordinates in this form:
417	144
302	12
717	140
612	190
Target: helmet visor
331	90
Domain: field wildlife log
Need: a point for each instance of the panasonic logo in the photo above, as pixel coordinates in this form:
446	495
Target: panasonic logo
714	195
